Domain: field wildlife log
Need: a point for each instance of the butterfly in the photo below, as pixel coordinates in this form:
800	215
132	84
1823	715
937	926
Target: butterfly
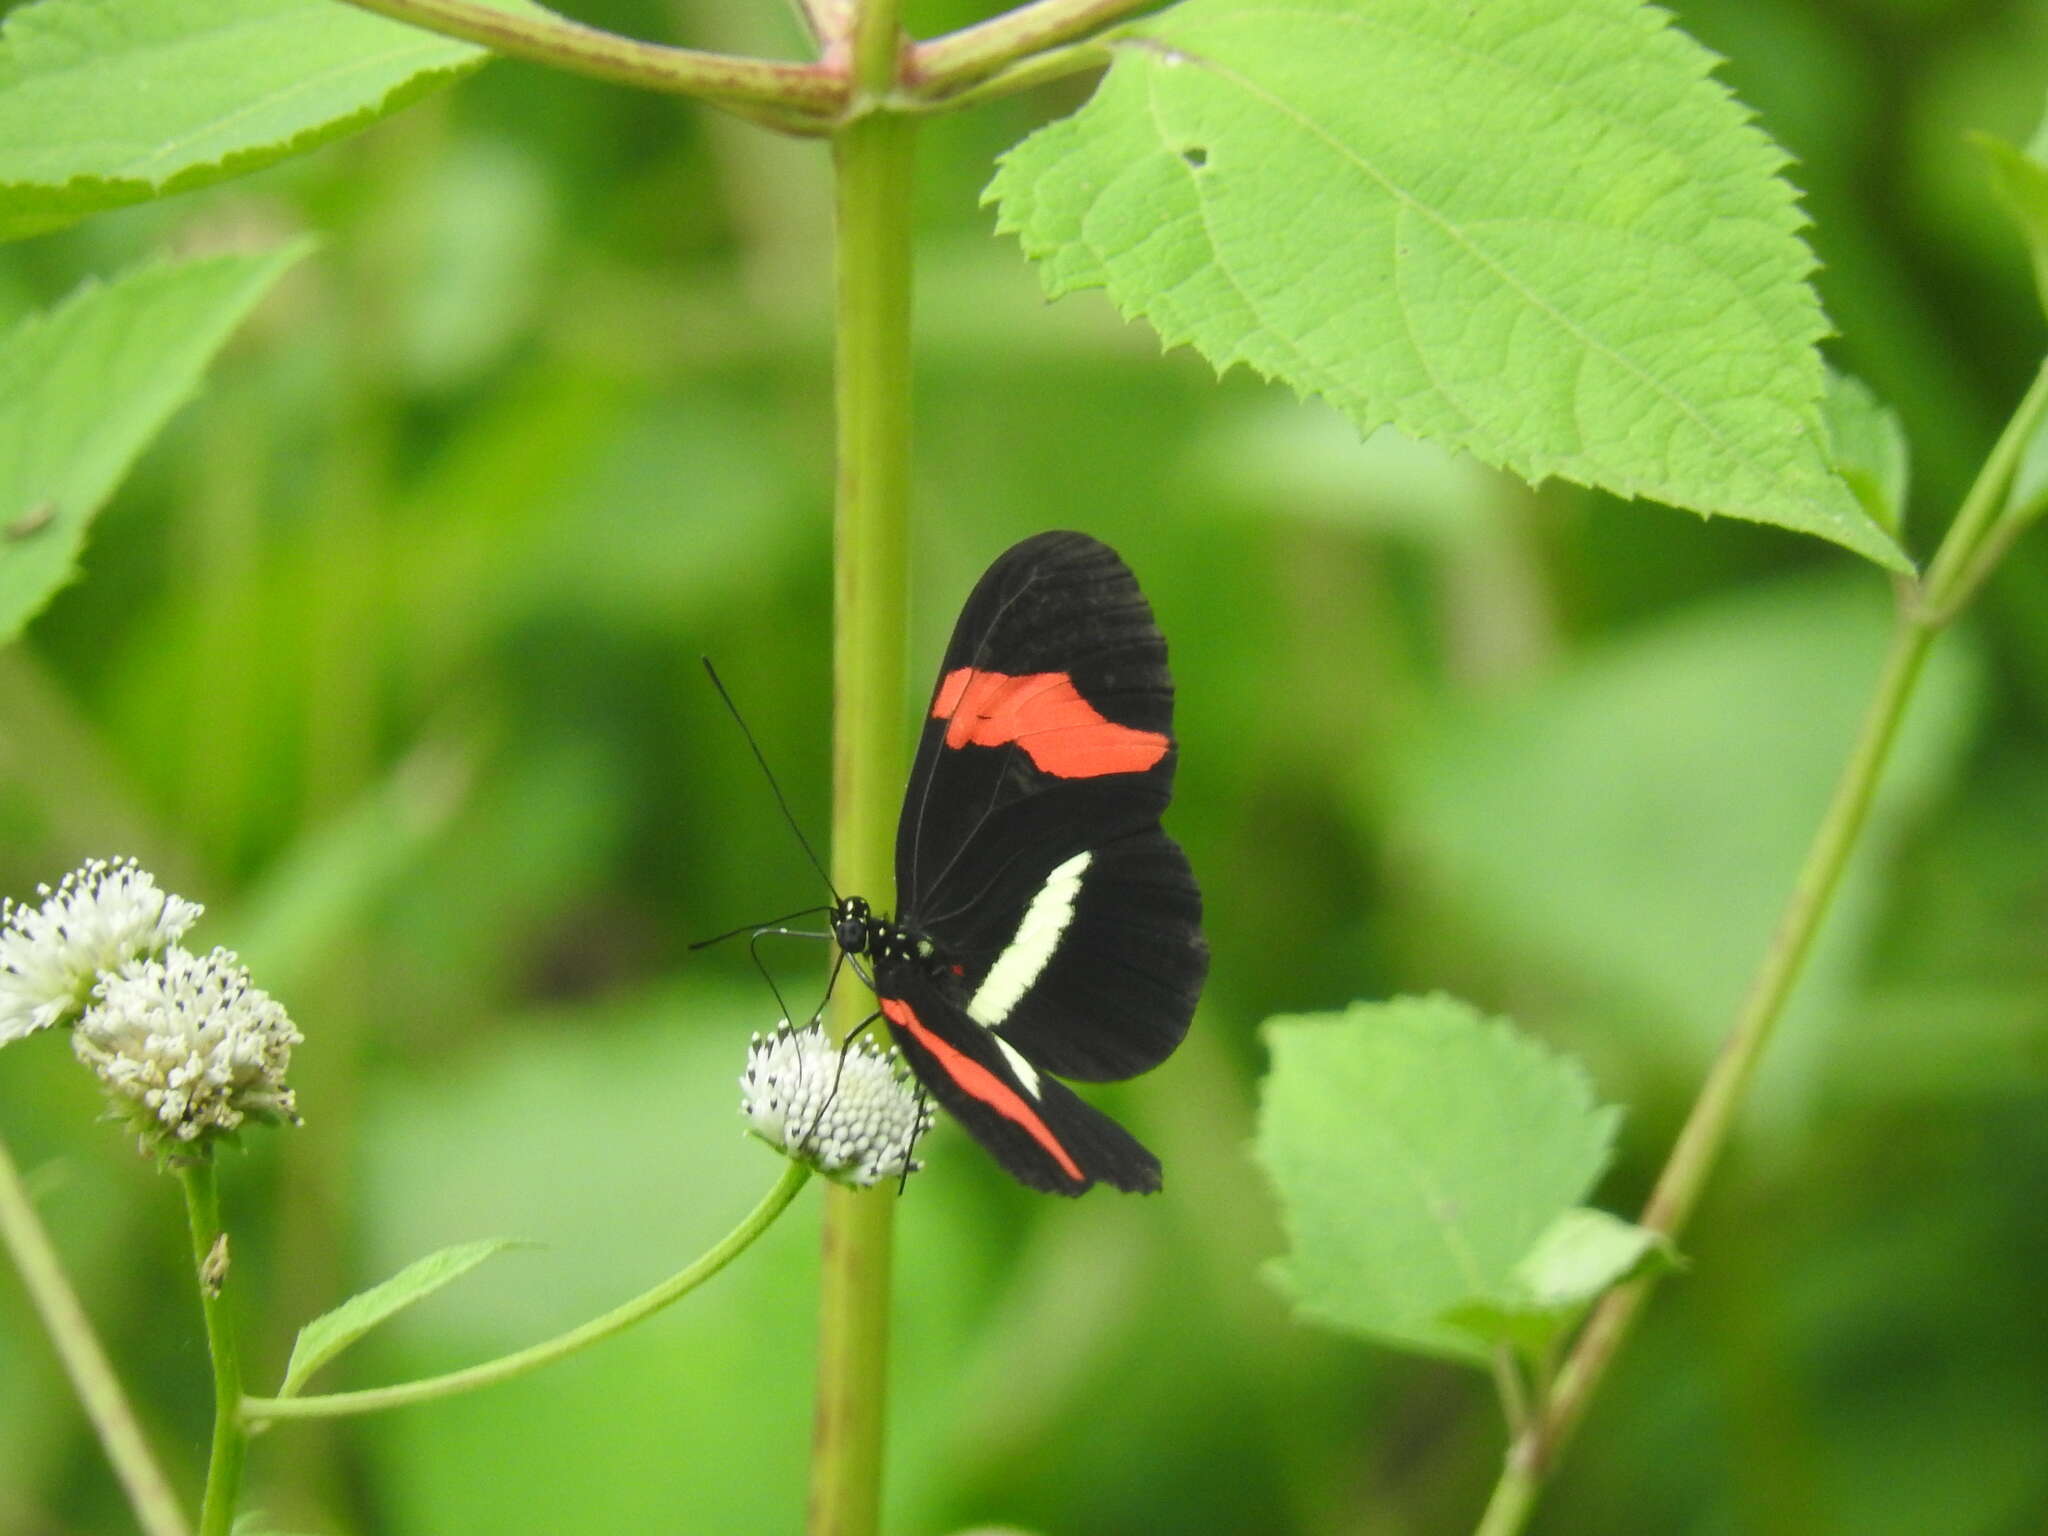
1047	927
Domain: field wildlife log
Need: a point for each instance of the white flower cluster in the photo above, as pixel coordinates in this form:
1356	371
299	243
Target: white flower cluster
186	1047
851	1114
189	1047
98	919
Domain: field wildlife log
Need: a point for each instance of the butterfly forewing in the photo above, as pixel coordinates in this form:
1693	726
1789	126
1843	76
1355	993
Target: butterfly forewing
1052	717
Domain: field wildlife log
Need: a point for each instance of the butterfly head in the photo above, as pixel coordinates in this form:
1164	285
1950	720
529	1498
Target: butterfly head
854	925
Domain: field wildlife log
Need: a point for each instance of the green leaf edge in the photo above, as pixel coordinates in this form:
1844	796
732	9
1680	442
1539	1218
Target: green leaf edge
265	270
30	208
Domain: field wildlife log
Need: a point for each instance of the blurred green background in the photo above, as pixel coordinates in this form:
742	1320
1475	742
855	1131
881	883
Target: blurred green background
388	653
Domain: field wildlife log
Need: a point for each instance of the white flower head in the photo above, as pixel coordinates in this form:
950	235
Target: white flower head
852	1114
100	918
188	1049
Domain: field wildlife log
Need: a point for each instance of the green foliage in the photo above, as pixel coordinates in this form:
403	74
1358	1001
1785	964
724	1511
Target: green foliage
1867	446
549	417
332	1332
1620	301
82	391
105	102
1421	1152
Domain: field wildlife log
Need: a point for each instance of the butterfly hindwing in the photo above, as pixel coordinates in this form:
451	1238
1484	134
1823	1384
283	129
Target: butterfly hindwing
1030	1123
1092	972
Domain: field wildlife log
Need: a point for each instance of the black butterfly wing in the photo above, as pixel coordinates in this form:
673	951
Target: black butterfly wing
1029	1122
1030	850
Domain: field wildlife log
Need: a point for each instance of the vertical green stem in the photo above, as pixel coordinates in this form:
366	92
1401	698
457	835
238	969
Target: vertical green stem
872	162
230	1440
92	1377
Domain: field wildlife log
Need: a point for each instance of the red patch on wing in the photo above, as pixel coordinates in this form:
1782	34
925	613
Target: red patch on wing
978	1082
1043	713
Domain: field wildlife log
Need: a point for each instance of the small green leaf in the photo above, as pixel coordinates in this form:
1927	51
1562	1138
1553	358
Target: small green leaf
2021	177
1419	1151
84	387
1867	447
332	1332
1542	234
1583	1254
107	102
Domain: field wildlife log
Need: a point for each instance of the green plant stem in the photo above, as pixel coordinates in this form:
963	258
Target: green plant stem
256	1410
1699	1144
230	1437
946	64
872	161
799	97
92	1377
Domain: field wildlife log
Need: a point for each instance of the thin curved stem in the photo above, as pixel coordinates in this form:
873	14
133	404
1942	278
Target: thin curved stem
257	1410
213	1270
78	1348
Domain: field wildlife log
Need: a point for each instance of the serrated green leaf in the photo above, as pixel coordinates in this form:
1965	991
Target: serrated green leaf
1867	446
1583	1254
108	102
2021	177
1536	232
1419	1151
332	1332
85	386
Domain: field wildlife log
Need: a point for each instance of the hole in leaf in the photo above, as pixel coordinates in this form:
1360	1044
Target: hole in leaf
1195	155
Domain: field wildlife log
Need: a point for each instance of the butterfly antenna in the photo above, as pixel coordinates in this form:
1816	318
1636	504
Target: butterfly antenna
773	925
787	815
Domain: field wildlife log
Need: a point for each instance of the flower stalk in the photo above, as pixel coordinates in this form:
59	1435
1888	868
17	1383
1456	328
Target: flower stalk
213	1268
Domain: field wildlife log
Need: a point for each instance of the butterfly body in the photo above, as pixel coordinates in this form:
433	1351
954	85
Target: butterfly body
1049	927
